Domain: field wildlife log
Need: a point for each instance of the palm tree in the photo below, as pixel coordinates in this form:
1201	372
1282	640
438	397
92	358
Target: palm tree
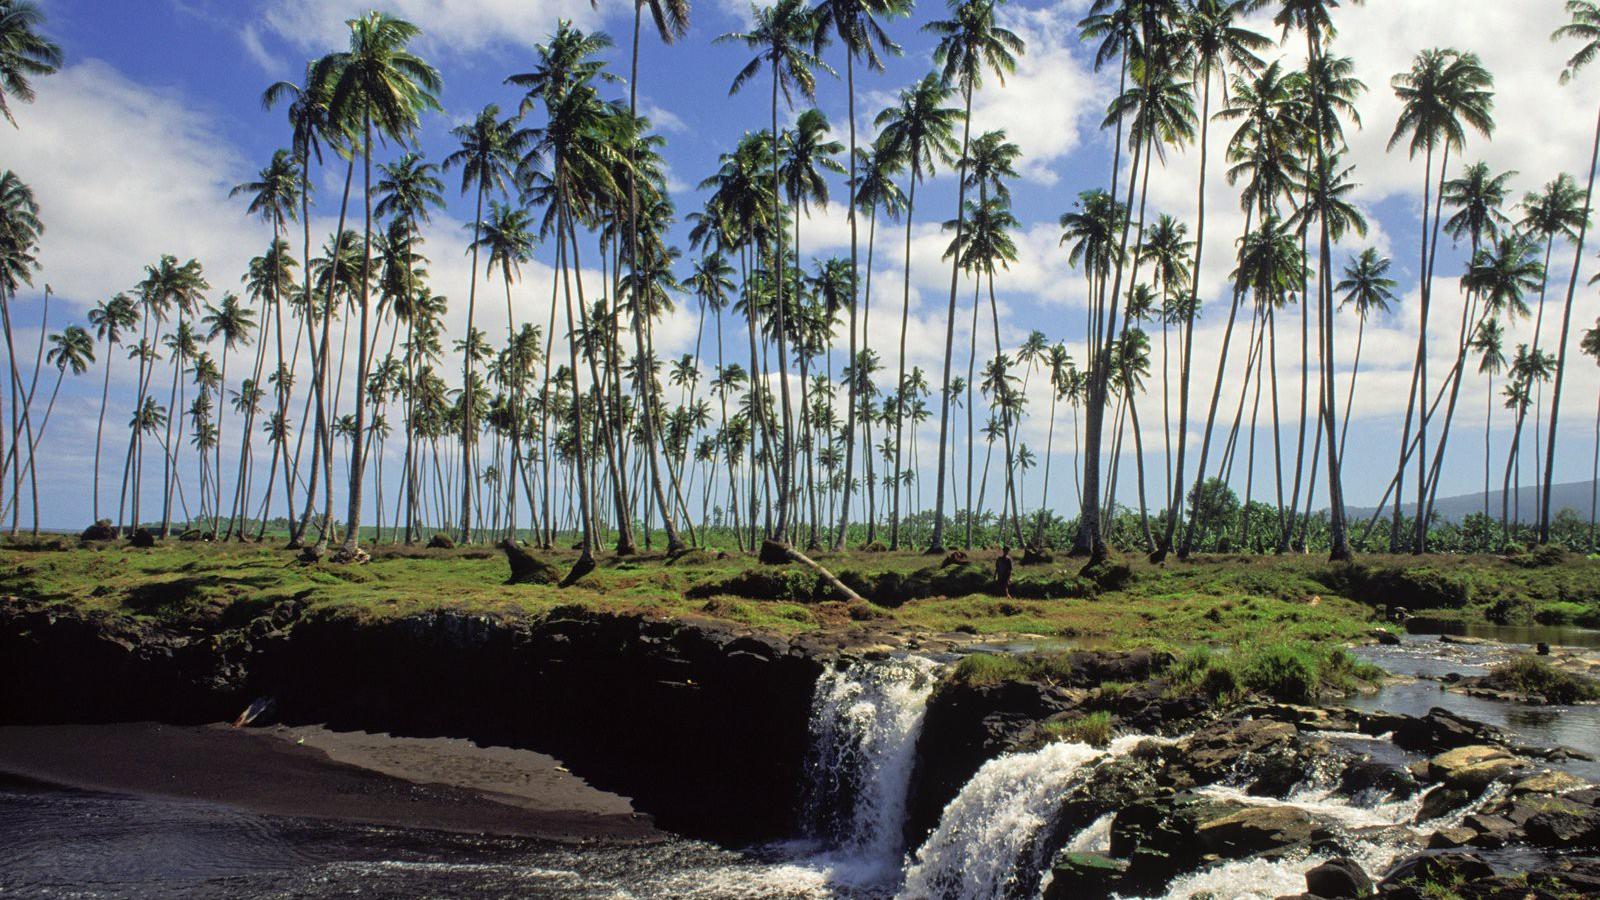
919	131
70	349
855	24
1368	289
1489	343
20	230
1585	27
1591	345
408	191
112	320
24	53
508	236
1445	93
381	85
311	126
233	323
785	37
490	151
1217	44
970	42
1166	247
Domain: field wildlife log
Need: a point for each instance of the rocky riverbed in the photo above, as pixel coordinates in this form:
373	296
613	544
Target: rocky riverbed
844	764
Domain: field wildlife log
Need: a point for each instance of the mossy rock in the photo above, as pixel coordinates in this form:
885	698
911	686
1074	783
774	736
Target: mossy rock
102	530
874	547
142	537
441	542
780	583
1411	588
527	568
1108	575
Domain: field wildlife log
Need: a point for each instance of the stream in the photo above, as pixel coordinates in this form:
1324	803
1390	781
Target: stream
995	839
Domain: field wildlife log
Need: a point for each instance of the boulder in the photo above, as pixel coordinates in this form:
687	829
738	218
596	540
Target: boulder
1564	824
955	558
1036	556
1085	875
1369	780
1217	750
1472	768
527	568
142	537
1438	868
1441	801
101	530
441	541
1451	838
1442	730
775	553
1551	782
1256	829
1339	878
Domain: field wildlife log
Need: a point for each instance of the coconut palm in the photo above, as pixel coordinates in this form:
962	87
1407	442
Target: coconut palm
1445	93
971	42
1584	27
507	235
1368	289
785	37
1489	344
73	349
920	131
855	23
491	149
24	53
1590	345
112	320
234	323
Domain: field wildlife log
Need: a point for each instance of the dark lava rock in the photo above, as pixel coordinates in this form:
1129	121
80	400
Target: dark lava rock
142	537
955	558
1451	867
1442	730
101	530
1337	879
1077	875
1107	576
527	568
1565	824
1036	556
441	541
192	536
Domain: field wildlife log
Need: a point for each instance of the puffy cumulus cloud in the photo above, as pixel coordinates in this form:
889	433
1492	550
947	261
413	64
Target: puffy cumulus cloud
125	173
460	26
1052	99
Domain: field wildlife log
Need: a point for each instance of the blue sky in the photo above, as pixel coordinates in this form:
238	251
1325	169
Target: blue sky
132	149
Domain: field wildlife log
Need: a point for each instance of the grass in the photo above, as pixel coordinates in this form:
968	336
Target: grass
1288	671
1531	675
1093	729
1231	601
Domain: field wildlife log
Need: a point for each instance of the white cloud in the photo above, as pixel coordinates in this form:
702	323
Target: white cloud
460	26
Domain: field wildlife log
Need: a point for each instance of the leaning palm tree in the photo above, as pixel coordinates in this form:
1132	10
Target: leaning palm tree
1585	27
24	53
1445	93
490	151
1368	289
919	131
71	349
784	36
970	42
112	320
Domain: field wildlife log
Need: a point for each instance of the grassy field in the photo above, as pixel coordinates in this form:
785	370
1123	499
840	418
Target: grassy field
1214	601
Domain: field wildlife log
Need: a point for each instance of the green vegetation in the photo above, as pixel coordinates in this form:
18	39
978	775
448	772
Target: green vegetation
1293	672
1531	675
1093	729
1218	601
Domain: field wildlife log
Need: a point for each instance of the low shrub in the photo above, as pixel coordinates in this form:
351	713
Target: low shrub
1530	675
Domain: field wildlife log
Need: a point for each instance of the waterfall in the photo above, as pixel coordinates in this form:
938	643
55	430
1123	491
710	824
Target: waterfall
865	719
987	843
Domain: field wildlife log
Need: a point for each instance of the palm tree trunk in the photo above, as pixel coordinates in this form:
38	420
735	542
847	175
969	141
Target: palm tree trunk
899	385
352	536
100	427
1561	352
936	545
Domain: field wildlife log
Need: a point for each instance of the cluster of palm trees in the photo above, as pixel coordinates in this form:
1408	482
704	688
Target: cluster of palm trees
602	439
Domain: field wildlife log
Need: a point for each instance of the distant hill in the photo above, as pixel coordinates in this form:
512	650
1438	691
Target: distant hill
1573	495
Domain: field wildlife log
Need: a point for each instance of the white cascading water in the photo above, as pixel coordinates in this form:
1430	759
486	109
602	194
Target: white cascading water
865	720
987	839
